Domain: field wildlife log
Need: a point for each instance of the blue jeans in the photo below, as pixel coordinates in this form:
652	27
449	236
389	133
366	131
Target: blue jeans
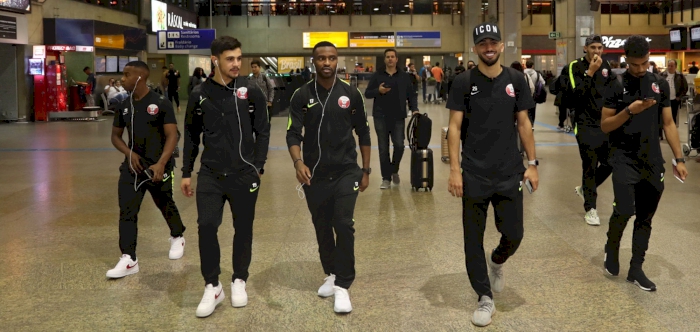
394	129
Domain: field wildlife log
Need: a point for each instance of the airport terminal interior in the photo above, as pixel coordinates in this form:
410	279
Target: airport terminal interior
59	212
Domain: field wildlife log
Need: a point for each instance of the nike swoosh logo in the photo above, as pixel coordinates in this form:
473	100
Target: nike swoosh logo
473	93
311	105
254	189
202	100
217	295
130	266
355	188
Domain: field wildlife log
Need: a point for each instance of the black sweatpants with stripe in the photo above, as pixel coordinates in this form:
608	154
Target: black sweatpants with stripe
594	150
331	200
213	191
506	196
130	204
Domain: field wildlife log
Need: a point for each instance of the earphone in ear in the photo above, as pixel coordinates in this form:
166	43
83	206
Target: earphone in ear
216	63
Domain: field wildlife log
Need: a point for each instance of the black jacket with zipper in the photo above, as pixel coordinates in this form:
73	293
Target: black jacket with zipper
585	93
211	110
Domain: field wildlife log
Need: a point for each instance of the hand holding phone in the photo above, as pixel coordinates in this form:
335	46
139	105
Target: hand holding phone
528	185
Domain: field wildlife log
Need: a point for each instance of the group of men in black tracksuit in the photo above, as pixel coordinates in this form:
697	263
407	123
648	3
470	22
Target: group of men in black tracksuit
617	128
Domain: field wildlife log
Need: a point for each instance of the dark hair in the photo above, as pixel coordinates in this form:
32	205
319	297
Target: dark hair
529	64
86	68
437	64
323	44
256	62
410	64
636	47
165	67
196	72
391	50
517	65
223	44
138	64
472	61
623	64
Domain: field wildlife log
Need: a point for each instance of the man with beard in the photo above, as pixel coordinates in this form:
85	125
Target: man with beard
147	166
390	89
588	78
631	116
326	110
231	112
489	99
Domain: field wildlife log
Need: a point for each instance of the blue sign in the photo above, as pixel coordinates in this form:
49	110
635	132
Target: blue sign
185	39
418	39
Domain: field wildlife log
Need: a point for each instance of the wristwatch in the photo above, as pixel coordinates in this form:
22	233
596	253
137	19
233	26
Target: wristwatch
678	160
262	171
533	162
629	111
367	170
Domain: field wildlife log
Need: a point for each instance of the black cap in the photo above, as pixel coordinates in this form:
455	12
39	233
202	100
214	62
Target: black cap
592	39
486	30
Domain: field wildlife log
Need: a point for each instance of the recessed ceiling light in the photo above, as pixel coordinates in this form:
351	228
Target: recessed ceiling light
376	9
405	6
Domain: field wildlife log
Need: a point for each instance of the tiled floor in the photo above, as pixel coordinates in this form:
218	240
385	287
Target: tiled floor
58	237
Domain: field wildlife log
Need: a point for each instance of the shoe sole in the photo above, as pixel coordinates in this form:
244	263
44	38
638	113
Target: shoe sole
580	195
176	257
128	273
223	296
239	305
592	223
606	269
635	282
341	312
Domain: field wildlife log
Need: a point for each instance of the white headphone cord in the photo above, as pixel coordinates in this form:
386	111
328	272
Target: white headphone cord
240	125
300	191
131	148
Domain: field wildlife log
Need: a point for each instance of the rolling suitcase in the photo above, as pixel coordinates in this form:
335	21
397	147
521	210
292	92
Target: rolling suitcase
422	169
444	147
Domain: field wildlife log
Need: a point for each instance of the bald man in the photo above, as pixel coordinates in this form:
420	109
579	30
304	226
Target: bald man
147	166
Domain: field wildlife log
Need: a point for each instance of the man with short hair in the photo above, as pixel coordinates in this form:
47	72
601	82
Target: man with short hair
484	103
471	64
231	113
322	115
631	115
262	81
148	165
390	89
678	89
438	74
535	78
589	76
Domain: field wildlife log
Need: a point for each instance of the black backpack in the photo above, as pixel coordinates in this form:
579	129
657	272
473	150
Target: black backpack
540	93
468	112
419	131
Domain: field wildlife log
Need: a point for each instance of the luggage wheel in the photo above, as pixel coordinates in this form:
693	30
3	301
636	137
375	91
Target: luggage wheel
686	149
445	159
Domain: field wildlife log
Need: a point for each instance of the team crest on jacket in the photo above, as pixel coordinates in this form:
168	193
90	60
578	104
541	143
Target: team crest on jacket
242	93
344	102
655	87
152	109
605	72
510	90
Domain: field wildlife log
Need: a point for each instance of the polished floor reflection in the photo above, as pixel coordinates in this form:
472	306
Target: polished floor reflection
58	237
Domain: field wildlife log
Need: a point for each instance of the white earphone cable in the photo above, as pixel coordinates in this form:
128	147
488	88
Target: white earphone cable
131	148
300	190
240	125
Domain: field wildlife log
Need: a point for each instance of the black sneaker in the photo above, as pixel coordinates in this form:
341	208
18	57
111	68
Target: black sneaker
611	262
637	277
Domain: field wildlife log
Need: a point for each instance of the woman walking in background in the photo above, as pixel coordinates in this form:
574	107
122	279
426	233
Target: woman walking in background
196	79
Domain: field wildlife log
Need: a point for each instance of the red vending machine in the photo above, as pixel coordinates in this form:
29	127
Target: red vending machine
50	93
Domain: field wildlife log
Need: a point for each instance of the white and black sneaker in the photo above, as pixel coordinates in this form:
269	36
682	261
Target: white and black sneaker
486	310
611	263
637	277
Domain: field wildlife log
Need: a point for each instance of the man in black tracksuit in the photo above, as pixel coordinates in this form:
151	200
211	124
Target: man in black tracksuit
152	127
488	100
631	116
231	112
327	109
588	78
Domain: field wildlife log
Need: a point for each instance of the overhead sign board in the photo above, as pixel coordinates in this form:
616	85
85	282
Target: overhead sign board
554	35
418	39
285	64
339	39
171	17
186	39
8	27
20	6
372	39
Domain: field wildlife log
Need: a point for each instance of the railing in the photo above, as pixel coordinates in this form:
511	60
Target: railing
378	7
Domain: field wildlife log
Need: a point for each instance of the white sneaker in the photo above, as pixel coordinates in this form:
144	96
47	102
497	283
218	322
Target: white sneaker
386	184
326	290
496	276
342	300
592	217
177	247
482	314
239	297
579	191
125	267
212	297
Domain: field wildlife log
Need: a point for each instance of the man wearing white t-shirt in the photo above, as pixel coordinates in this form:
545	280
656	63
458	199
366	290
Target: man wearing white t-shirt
115	92
679	88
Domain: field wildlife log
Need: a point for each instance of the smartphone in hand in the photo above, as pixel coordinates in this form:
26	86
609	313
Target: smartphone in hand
528	185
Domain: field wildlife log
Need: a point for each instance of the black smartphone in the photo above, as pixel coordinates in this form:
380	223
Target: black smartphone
649	98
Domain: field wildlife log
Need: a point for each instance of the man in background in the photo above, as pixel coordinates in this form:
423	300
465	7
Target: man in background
173	77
